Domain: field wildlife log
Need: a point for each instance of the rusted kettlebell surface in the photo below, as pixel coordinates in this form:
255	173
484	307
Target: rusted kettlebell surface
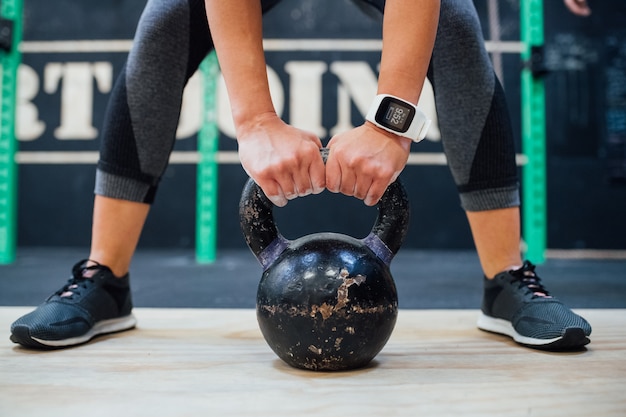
326	301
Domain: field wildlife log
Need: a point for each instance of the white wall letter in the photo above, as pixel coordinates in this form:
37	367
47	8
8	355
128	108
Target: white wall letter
191	115
77	95
305	83
358	85
28	126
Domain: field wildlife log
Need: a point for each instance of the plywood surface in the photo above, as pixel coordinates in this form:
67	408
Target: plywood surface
212	362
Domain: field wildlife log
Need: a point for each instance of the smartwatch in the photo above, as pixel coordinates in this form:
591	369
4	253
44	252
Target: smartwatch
398	116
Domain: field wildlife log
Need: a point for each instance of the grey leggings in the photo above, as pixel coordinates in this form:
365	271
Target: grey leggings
172	39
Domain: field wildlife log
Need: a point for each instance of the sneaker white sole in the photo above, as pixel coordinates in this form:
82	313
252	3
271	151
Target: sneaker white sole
501	326
102	327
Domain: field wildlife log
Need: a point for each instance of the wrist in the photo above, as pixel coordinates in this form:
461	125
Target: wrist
246	122
253	106
405	143
399	117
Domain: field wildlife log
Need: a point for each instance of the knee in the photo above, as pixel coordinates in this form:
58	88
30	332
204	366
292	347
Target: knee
459	24
161	42
162	21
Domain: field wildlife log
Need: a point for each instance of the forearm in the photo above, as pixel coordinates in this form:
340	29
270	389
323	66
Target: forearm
409	30
236	28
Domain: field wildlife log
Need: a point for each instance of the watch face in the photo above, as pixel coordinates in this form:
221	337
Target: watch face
395	114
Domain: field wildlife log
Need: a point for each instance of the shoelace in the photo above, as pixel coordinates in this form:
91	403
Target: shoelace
81	278
528	279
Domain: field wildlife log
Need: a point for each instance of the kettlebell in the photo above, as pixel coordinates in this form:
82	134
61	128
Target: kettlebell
325	301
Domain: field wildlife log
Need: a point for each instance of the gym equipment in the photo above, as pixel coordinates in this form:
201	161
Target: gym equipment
10	58
326	301
534	194
207	171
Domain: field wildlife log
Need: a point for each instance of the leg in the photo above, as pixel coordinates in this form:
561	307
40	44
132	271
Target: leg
497	238
478	142
477	136
479	145
141	124
116	228
138	135
139	131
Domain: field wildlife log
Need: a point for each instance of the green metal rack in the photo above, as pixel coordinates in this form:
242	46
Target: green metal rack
534	211
207	175
10	58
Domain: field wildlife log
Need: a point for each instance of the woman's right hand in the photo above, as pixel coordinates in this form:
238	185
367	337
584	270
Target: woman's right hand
283	160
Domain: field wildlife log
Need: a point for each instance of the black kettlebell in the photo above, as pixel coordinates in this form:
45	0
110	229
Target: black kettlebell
326	301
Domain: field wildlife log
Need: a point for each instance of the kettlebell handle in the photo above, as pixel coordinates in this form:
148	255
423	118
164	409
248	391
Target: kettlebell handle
266	242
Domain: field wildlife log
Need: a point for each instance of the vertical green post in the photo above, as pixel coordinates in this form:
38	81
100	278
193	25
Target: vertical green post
10	58
534	212
208	140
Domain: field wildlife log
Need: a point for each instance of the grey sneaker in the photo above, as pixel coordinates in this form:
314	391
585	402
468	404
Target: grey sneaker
516	304
93	302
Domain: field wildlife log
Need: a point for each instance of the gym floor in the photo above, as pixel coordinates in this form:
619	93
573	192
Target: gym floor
425	279
197	348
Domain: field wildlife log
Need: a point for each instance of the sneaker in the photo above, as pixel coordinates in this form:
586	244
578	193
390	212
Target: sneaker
516	304
93	302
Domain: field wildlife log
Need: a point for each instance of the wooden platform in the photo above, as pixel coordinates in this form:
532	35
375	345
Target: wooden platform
215	363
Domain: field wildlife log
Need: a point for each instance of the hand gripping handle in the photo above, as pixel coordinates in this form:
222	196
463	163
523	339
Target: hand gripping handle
266	242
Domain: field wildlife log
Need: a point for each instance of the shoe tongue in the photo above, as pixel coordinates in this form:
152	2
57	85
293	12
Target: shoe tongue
533	284
88	272
89	269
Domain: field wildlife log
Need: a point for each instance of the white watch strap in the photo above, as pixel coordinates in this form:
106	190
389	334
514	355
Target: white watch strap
419	126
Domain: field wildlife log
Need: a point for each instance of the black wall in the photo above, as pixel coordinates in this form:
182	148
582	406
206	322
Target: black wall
586	121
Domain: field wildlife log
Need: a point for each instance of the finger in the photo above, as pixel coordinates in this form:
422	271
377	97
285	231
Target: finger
292	195
333	173
375	192
289	187
348	182
274	193
362	187
309	176
317	175
302	185
302	182
372	198
278	200
288	181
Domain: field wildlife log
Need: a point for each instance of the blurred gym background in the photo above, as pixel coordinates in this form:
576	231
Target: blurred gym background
72	52
322	71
